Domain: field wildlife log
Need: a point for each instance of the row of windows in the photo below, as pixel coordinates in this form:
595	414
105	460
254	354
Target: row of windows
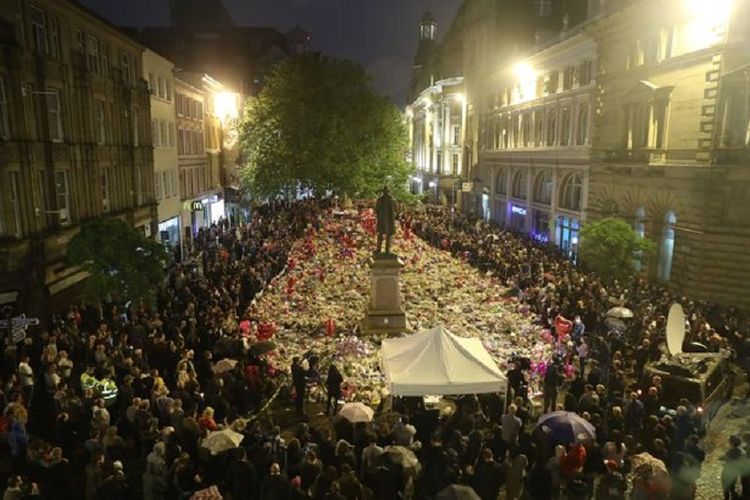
10	202
46	35
162	133
570	193
160	86
193	181
189	142
189	107
540	127
547	84
165	184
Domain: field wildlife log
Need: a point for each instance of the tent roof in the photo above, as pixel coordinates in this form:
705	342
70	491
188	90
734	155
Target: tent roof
438	362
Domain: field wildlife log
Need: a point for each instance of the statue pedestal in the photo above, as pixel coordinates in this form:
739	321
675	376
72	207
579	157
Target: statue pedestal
384	313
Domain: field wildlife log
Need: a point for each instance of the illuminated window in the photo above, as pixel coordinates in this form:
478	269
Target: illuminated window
666	251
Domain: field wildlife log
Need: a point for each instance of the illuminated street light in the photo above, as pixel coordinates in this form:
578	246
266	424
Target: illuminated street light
226	106
706	20
526	80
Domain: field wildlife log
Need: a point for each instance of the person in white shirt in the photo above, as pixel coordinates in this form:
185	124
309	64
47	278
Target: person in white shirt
403	432
26	378
511	426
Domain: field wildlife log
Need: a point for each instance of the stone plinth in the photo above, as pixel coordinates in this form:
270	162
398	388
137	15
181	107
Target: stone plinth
384	313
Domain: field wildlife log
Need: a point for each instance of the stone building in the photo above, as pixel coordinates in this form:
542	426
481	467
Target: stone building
671	138
74	144
484	37
535	141
437	120
577	110
159	73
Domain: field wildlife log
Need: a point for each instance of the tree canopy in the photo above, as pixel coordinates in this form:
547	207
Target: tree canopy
319	125
610	247
123	264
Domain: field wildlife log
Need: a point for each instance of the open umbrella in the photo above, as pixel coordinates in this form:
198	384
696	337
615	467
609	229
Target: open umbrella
648	467
260	348
620	313
221	441
357	412
225	365
403	457
566	427
616	323
457	492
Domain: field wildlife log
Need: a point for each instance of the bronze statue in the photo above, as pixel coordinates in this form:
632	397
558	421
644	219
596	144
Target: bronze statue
385	209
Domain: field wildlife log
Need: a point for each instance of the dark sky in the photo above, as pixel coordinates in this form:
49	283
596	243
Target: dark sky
382	35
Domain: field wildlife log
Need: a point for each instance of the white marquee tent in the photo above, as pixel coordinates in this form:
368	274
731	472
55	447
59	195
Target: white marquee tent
439	363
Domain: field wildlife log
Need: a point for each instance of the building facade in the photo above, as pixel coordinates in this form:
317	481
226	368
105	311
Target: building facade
535	146
672	138
159	73
437	121
74	144
627	108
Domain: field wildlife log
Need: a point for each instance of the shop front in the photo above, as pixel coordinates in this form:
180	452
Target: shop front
541	229
518	215
169	232
566	235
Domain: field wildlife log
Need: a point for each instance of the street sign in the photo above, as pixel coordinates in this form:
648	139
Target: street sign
18	326
196	206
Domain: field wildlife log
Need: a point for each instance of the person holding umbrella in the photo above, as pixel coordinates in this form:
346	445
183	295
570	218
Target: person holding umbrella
333	386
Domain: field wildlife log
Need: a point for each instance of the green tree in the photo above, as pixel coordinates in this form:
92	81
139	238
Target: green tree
123	264
610	247
318	124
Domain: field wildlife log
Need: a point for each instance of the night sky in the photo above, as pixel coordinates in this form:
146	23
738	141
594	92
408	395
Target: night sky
381	35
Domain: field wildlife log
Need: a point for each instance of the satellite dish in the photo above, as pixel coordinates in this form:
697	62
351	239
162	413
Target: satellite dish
675	329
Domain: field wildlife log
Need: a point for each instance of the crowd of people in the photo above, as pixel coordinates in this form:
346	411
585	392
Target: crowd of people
119	402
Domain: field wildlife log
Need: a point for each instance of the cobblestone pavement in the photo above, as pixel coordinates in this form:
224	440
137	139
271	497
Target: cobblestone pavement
732	418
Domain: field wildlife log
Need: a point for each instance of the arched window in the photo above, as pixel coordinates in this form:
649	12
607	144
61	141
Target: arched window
582	127
571	191
666	251
519	185
543	188
501	182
